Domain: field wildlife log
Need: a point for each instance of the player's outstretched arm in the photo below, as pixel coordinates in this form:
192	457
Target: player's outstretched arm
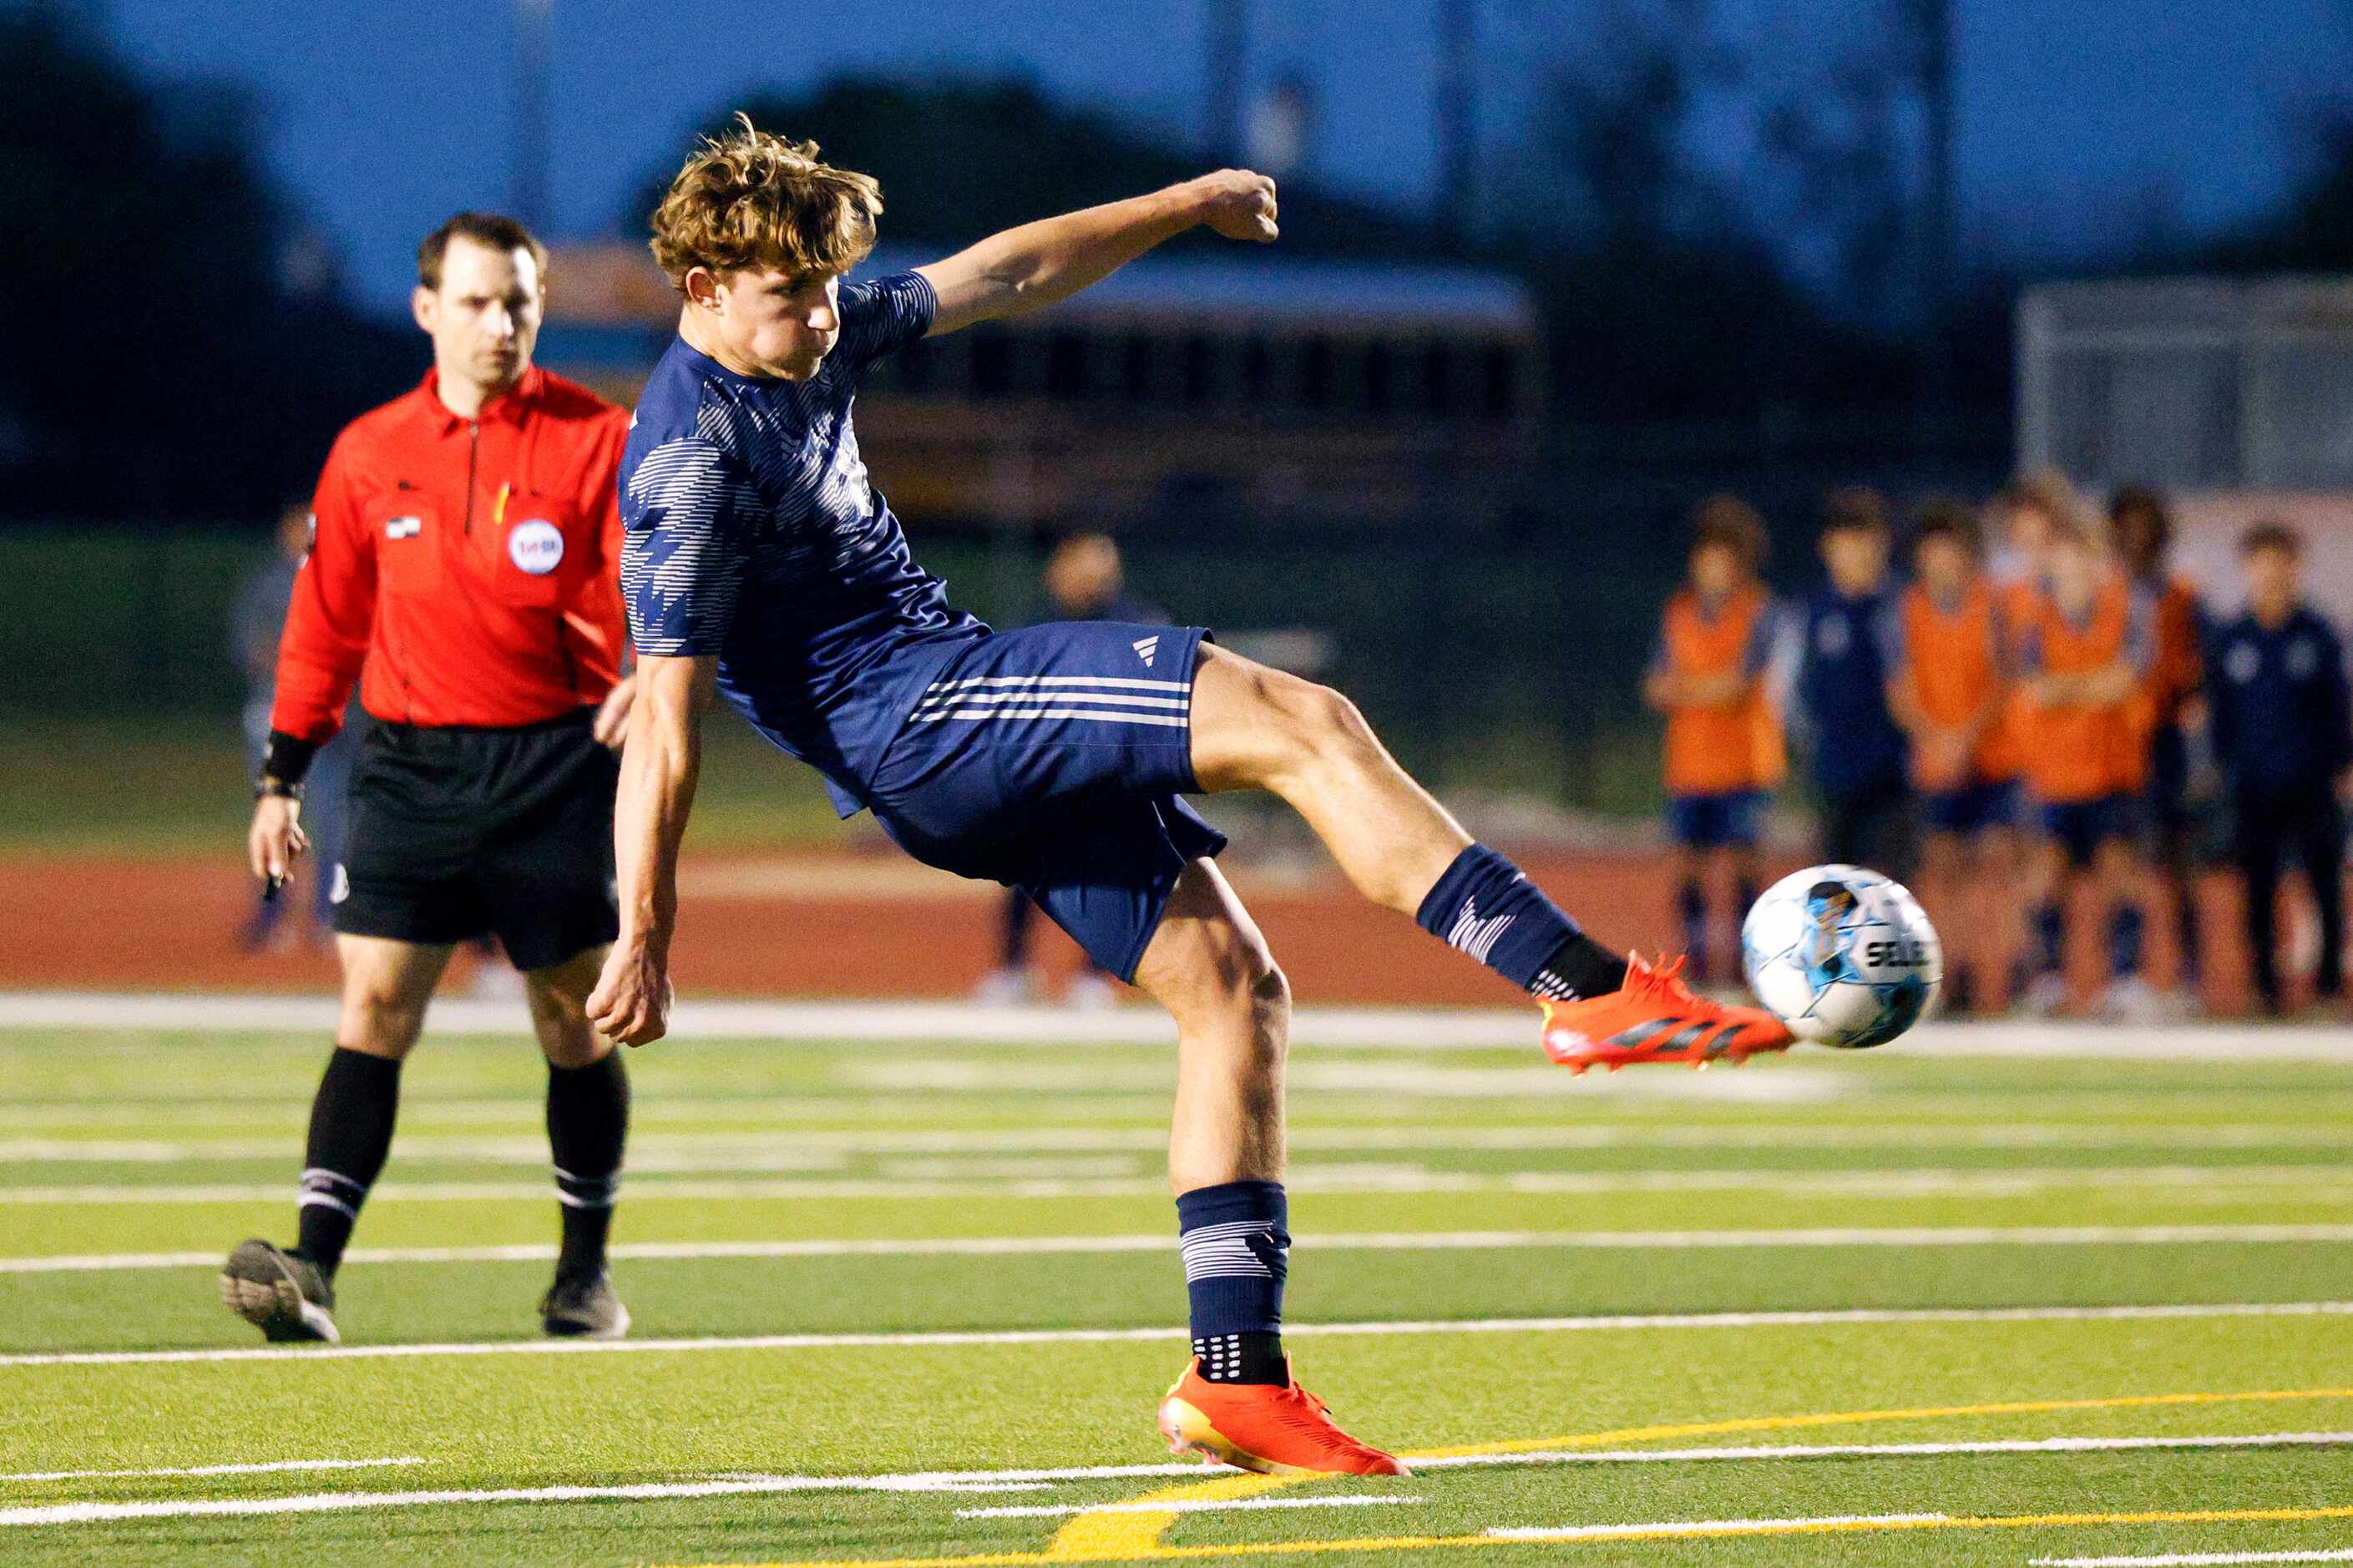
658	767
1032	267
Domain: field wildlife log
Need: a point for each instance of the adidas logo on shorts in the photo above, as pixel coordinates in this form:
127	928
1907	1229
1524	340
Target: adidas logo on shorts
1146	647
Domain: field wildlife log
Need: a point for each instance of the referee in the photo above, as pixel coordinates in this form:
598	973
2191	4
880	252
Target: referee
466	539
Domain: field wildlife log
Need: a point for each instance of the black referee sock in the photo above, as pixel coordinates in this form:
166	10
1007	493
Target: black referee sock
587	1122
351	1132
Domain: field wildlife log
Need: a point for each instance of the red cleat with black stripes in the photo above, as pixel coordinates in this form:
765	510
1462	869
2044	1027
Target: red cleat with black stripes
1655	1017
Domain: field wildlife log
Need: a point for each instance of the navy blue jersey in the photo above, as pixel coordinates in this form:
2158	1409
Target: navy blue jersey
1851	647
753	535
2279	700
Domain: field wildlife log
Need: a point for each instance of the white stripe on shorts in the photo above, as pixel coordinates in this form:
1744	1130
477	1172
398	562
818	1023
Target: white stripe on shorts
1167	721
995	698
1116	683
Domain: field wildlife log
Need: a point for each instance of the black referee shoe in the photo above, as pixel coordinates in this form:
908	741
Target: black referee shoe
583	1306
282	1293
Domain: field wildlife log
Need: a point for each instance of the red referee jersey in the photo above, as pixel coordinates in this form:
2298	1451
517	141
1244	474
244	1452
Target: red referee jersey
471	566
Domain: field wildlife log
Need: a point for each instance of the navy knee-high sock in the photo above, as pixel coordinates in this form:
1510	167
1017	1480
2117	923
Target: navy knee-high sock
2049	935
2126	925
1691	905
1486	906
1236	1245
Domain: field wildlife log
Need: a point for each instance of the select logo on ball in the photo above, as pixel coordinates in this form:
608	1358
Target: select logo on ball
536	546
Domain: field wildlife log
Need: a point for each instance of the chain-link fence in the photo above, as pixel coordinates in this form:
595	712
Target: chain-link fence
2191	384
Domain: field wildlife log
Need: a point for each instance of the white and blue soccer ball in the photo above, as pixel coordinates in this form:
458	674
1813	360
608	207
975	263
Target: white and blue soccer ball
1843	956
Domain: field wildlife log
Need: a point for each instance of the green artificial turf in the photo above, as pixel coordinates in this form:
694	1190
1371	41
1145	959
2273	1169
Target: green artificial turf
118	1141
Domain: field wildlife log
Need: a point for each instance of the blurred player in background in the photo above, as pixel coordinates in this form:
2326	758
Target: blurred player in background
2283	730
2140	527
2084	655
466	560
1951	692
761	564
1085	581
1723	746
256	624
1848	639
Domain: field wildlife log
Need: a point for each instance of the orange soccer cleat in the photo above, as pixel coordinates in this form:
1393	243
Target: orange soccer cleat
1276	1431
1655	1017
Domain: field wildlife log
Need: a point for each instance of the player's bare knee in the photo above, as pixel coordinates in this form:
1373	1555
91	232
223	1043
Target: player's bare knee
379	1023
557	999
1270	1004
570	1043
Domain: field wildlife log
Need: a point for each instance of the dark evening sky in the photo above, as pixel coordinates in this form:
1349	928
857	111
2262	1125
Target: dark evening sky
382	119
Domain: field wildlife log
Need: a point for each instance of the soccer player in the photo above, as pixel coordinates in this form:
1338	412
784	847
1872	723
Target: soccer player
1085	581
1724	747
1950	690
1846	637
465	573
2283	730
2084	658
762	566
2140	525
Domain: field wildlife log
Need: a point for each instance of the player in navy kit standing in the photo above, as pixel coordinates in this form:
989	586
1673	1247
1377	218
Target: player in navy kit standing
760	565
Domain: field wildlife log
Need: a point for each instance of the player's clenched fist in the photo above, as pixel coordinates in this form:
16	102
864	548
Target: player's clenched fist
632	999
1239	204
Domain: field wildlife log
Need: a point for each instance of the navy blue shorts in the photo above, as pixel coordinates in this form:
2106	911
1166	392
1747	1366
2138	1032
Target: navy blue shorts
2081	827
1972	808
1050	758
1716	821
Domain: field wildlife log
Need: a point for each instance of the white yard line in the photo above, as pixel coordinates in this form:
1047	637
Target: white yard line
1368	1241
1227	1505
332	1502
1996	1181
759	1122
1368	1027
271	1468
968	1481
1703	1527
2198	1560
784	1148
1623	1321
1887	1450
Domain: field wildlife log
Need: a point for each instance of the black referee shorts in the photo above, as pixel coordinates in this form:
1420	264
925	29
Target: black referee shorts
457	832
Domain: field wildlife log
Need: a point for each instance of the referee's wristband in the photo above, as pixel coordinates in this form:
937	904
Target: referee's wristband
284	760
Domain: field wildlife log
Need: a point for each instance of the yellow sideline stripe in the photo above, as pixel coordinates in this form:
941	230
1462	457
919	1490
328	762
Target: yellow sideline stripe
1090	1536
1856	1417
1696	1529
1135	1537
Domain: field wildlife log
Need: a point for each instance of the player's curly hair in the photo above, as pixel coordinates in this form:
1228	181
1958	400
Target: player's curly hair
751	198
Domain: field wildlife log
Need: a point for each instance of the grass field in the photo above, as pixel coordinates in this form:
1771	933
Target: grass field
1923	1307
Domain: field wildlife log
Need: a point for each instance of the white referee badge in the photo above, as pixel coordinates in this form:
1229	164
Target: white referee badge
536	546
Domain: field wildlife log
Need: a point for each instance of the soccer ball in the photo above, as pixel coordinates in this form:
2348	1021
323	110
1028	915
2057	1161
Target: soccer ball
1843	956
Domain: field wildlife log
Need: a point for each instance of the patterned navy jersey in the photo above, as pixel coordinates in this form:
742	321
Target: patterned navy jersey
752	534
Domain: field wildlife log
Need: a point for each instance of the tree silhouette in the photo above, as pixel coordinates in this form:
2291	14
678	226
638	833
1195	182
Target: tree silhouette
962	158
151	362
